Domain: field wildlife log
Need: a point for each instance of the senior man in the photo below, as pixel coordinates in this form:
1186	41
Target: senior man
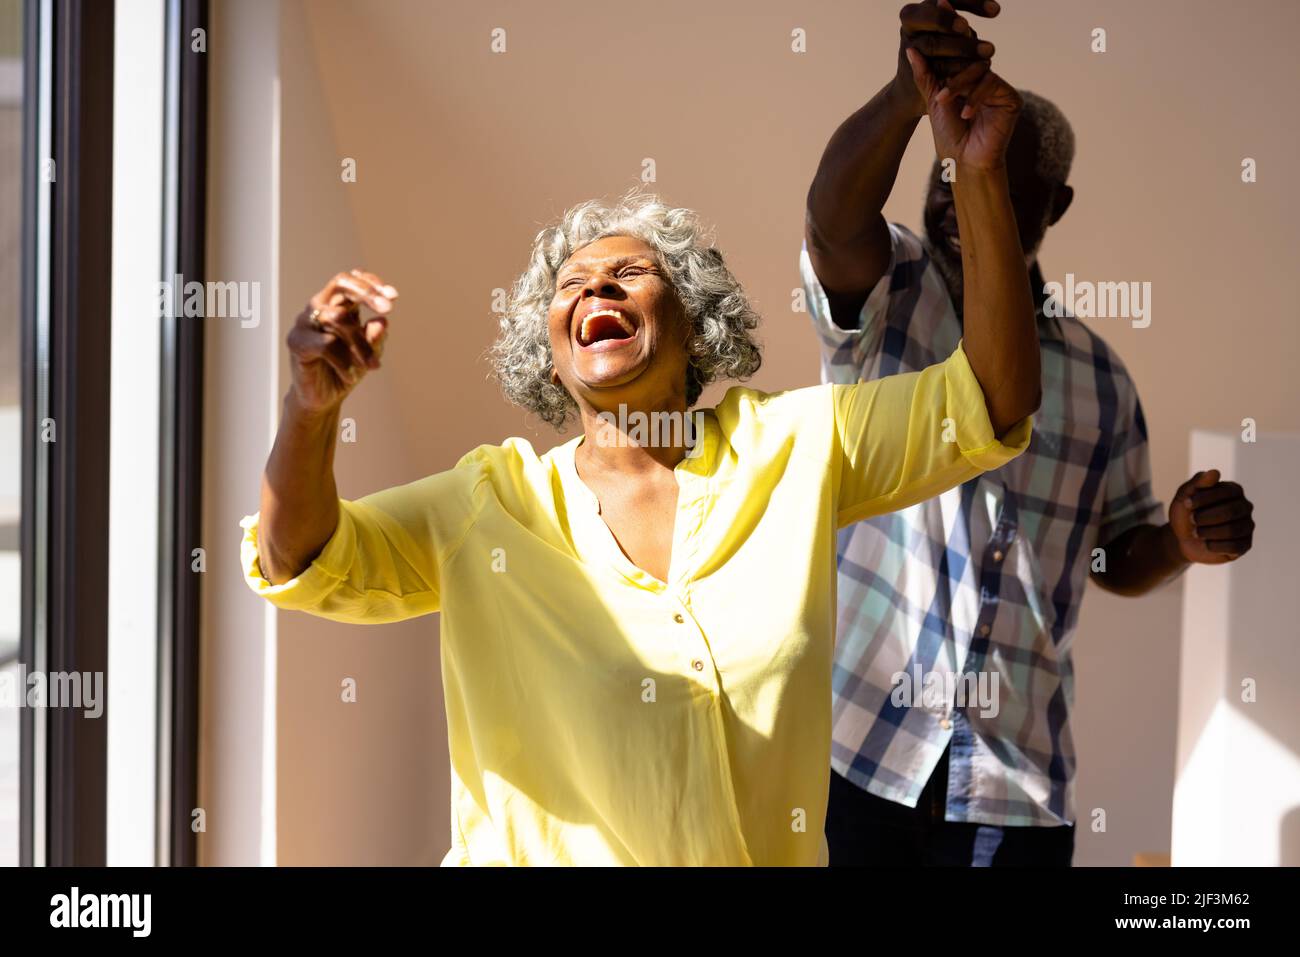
953	678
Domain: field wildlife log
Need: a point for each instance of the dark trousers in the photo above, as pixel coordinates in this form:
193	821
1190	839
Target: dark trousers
863	830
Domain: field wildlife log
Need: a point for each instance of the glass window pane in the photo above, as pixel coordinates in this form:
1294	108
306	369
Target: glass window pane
11	165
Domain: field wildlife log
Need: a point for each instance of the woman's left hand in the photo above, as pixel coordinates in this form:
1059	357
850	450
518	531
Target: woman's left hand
972	115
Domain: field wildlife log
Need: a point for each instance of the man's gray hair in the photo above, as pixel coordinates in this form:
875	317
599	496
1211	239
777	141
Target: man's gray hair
718	346
1055	136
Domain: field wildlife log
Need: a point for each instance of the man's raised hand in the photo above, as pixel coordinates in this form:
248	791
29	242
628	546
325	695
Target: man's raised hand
937	30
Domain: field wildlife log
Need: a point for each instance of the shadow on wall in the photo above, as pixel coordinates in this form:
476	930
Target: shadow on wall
1288	849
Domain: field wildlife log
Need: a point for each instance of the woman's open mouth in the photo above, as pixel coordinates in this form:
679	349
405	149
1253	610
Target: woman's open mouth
604	329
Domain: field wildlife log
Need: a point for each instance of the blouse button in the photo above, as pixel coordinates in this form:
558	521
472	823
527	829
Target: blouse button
678	618
697	665
984	631
997	555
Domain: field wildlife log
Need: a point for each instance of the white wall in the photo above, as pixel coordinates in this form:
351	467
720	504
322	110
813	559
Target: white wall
1237	796
237	773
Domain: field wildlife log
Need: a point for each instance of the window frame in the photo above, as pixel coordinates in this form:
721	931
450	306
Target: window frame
181	439
66	272
66	276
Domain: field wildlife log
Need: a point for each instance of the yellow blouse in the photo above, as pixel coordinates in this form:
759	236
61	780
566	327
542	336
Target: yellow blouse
597	715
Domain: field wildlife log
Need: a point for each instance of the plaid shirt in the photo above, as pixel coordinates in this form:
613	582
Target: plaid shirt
987	578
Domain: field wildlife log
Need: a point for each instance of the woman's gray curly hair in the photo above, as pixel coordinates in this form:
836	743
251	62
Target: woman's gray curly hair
719	345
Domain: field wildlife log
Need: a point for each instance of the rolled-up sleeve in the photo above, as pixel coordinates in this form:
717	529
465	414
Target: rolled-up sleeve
383	561
906	438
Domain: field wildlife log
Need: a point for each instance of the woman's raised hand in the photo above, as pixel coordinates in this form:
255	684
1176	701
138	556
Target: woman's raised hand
330	347
972	114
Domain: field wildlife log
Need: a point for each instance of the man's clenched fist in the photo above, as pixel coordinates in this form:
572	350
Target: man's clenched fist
1211	519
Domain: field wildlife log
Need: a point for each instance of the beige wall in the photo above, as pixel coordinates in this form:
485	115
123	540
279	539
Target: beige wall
362	782
462	155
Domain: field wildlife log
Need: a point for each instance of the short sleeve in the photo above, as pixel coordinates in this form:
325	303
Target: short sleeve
846	353
1128	498
906	438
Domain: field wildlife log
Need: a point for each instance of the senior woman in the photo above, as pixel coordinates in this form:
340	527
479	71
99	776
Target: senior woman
637	635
